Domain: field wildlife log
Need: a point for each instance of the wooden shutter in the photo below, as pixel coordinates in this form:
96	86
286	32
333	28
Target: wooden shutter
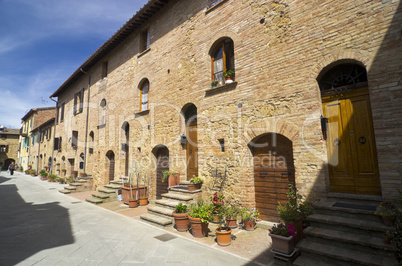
81	100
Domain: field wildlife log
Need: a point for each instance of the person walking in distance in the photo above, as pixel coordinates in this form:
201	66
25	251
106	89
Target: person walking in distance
11	168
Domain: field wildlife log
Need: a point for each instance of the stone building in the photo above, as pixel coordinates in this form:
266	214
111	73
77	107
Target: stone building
42	146
8	146
315	101
30	134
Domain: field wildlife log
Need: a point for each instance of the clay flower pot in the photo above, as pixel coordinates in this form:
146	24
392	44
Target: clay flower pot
282	243
223	236
181	221
232	223
198	228
133	203
249	225
143	201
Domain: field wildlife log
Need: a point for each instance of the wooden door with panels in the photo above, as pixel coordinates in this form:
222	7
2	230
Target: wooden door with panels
190	117
352	157
162	164
273	172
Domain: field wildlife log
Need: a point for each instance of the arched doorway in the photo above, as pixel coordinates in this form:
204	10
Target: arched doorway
110	156
162	164
126	129
190	118
347	119
273	172
7	163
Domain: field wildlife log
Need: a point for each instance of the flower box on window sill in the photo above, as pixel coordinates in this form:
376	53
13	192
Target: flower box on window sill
223	87
143	112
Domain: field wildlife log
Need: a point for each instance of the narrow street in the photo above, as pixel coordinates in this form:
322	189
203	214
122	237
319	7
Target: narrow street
40	226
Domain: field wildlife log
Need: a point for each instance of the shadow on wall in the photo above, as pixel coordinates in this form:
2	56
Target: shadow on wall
26	229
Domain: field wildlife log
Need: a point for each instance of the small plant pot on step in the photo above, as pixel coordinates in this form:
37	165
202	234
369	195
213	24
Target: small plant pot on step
223	236
133	203
143	201
249	225
181	221
198	228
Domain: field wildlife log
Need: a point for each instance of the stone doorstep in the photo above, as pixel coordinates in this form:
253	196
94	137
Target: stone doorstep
70	188
167	203
113	186
94	200
65	191
179	197
156	220
107	190
355	198
341	254
80	181
100	195
348	222
305	260
75	184
376	242
161	211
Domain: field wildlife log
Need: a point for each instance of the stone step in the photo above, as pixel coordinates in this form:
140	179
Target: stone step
170	204
80	181
338	222
355	198
177	197
94	200
113	186
350	237
71	188
76	184
359	211
100	195
107	190
343	256
156	220
160	211
65	191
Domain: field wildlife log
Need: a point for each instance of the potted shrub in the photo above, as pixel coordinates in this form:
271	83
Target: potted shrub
195	183
231	215
27	172
51	177
217	203
69	180
43	176
214	83
229	76
180	216
387	215
223	231
172	178
282	238
200	214
249	217
61	180
33	172
133	203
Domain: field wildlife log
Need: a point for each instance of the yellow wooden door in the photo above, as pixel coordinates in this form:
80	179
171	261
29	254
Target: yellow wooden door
352	158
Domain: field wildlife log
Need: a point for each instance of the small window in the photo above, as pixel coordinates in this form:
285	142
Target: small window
144	96
57	114
4	148
222	144
74	139
104	69
62	112
78	102
145	40
222	59
102	113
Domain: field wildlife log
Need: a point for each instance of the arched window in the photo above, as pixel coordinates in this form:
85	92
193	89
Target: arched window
144	95
102	118
222	58
347	75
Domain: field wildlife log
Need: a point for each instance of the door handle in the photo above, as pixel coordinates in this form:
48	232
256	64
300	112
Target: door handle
336	142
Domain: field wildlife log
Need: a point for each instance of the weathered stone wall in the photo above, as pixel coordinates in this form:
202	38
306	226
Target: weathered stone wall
280	48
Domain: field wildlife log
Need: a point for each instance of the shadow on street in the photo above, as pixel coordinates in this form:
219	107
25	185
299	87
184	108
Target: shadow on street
26	229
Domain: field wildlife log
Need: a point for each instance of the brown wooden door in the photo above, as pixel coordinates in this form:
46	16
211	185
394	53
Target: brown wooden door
273	172
162	164
127	160
110	156
192	150
352	157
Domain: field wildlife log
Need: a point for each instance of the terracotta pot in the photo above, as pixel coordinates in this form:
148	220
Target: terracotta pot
192	187
282	243
198	228
388	220
143	201
216	219
249	225
232	223
133	203
223	236
181	221
299	230
174	180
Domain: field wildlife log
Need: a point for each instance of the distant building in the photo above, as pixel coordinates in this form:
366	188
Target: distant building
9	139
30	134
316	100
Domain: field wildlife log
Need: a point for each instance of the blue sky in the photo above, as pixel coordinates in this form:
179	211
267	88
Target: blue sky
42	42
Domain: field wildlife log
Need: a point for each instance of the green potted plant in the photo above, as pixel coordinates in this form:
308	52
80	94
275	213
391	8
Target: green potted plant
282	237
229	76
61	180
143	197
214	83
172	177
180	216
195	183
200	214
223	232
33	172
231	215
249	217
217	203
387	215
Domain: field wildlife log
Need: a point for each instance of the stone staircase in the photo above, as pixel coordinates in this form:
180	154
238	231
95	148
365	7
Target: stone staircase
345	231
161	214
81	184
107	194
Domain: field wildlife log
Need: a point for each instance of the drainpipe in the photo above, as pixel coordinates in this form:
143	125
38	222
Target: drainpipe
86	123
54	135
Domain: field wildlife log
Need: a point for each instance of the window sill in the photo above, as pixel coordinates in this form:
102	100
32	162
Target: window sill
103	80
144	52
210	8
221	88
144	112
101	126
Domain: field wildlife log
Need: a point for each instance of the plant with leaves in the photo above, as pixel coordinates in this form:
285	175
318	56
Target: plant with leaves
166	174
181	208
196	180
248	214
295	208
283	230
201	210
217	202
